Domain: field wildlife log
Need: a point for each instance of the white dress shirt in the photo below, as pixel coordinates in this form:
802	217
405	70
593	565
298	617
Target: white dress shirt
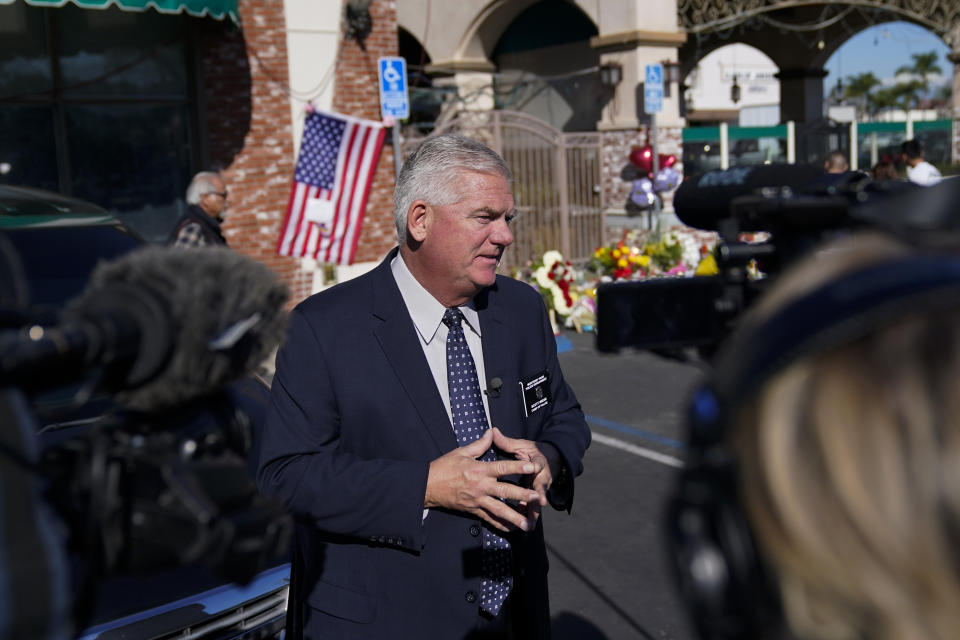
427	315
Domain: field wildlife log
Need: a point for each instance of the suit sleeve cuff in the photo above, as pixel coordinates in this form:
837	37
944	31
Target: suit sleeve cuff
560	493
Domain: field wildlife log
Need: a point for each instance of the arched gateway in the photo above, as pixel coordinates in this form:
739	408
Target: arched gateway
556	182
801	35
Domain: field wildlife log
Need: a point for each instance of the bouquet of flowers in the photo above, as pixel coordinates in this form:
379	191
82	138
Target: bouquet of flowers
555	278
620	261
666	253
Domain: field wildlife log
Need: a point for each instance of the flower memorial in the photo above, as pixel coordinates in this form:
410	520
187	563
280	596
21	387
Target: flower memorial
637	256
569	292
620	261
555	277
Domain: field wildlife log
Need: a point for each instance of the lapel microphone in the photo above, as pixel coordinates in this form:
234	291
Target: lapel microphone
494	390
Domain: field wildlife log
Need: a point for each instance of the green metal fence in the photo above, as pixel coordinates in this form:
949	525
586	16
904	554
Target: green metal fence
874	140
719	147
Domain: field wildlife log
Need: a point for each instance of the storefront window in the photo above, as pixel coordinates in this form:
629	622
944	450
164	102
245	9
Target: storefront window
28	148
100	110
121	53
24	51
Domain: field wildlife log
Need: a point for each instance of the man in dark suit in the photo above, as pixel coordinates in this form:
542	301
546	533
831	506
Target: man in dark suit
416	520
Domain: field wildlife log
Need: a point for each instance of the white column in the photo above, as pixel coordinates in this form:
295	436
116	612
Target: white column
854	152
791	142
724	147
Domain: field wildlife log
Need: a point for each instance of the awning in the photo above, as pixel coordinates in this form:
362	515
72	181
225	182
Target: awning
217	9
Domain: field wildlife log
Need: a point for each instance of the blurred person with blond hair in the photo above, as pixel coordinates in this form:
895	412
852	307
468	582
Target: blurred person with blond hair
822	495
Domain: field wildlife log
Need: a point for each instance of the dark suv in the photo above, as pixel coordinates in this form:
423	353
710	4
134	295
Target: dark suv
58	241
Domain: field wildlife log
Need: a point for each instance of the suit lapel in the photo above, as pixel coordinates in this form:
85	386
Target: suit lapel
497	348
398	338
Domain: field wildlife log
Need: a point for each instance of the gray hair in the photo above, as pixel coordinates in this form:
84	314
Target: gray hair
431	172
201	185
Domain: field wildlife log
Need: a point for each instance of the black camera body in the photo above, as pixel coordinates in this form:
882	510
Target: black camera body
799	206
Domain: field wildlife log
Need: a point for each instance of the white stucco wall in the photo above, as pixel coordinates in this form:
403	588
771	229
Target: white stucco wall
713	77
615	16
313	30
454	29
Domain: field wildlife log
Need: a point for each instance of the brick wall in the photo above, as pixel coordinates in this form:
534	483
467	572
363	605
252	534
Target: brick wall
244	76
617	173
356	93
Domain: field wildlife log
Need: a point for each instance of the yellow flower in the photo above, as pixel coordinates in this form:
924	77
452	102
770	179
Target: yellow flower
616	254
707	266
644	261
623	263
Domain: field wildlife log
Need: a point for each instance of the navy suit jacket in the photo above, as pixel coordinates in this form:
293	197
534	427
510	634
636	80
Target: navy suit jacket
355	420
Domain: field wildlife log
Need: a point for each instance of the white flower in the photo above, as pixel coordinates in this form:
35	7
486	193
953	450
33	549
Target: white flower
560	302
552	257
543	277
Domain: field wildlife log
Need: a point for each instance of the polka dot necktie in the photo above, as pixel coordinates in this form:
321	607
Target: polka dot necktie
469	423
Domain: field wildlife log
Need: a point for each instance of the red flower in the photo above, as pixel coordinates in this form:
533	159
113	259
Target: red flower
565	289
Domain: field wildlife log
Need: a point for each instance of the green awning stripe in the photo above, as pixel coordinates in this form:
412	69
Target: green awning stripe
701	134
933	125
217	9
749	133
881	127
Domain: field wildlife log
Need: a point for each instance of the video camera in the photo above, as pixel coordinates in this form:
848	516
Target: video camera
799	206
142	388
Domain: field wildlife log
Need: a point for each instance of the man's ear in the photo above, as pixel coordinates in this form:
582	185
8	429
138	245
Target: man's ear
417	220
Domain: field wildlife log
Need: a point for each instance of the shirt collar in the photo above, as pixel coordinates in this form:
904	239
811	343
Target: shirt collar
425	311
206	217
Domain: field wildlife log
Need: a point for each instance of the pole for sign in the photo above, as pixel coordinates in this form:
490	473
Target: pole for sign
656	167
397	151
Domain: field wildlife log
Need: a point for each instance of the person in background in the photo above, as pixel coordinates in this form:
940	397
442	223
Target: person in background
885	169
420	420
836	162
919	171
206	208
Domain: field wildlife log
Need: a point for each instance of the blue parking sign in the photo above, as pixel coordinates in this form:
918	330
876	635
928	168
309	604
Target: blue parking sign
654	76
653	89
394	100
652	101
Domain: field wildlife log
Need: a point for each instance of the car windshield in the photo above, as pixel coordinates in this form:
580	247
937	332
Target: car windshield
58	260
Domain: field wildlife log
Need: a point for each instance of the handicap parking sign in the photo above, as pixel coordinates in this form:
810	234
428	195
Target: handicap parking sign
394	100
653	89
654	76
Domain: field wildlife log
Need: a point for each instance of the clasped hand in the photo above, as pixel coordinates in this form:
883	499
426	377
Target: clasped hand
459	481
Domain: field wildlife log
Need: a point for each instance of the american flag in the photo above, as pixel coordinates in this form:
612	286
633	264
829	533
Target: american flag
338	157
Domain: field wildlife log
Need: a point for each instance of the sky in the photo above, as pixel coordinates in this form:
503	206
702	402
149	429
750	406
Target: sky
884	48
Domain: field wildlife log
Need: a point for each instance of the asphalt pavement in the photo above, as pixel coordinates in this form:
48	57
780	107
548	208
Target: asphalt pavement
609	571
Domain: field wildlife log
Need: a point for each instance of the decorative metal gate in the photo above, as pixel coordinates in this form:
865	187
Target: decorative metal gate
556	182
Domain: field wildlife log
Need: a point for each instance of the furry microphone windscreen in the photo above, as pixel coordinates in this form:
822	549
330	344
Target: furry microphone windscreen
227	312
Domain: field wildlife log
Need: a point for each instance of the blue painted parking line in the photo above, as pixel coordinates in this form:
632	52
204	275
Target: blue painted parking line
653	437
